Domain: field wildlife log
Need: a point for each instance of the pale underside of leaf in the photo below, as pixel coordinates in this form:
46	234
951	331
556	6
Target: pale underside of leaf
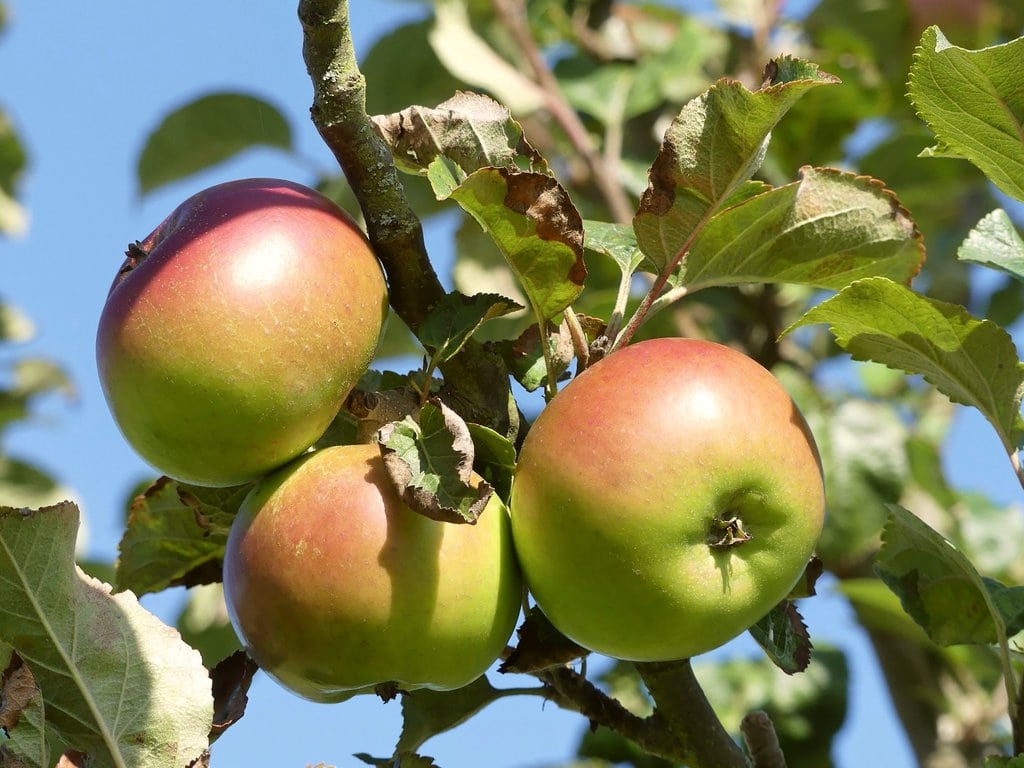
995	242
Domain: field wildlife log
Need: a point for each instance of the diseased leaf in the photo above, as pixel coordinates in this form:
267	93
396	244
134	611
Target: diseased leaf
231	679
940	588
826	230
469	131
540	646
117	684
974	103
525	359
716	142
208	131
22	715
973	362
783	636
536	227
430	462
995	242
176	535
454	320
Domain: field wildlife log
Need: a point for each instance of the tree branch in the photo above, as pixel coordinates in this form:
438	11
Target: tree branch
477	382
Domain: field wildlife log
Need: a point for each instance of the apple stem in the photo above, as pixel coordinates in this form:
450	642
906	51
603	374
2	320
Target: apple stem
579	339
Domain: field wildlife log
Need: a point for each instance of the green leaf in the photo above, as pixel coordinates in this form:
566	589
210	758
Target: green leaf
783	636
996	761
26	485
208	131
430	462
940	588
972	362
427	713
616	241
204	624
176	535
469	131
15	325
716	143
995	242
117	684
13	220
455	318
974	103
525	359
826	230
494	459
536	227
877	607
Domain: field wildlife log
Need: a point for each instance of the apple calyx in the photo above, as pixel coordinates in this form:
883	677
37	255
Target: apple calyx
388	690
727	532
134	255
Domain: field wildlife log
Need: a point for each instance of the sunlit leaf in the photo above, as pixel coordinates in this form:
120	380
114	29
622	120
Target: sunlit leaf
995	242
974	103
117	684
454	320
971	361
208	131
715	144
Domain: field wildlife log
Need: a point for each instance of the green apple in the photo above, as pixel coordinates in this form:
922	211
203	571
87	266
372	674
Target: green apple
234	332
335	586
665	500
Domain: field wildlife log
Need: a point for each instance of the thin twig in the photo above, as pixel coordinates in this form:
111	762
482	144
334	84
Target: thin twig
513	14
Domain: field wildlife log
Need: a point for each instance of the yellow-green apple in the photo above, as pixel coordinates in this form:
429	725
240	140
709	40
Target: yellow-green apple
665	500
335	586
233	333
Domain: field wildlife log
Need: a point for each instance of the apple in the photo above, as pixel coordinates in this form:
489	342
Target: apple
335	586
233	333
665	500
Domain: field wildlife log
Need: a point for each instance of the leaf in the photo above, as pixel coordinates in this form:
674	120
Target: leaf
427	713
616	241
25	485
716	142
783	636
972	362
117	684
204	624
469	57
176	535
826	230
524	355
494	459
430	462
231	679
973	101
540	646
13	160
537	228
22	715
454	319
940	588
15	325
469	130
994	242
208	131
878	608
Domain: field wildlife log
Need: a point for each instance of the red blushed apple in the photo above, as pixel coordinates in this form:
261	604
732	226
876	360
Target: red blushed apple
665	500
335	586
234	332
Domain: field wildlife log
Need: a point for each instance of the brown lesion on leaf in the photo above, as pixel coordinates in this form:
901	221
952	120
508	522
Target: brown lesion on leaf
17	690
542	200
660	194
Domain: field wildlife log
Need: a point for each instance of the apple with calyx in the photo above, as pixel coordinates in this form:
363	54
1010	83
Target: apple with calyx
335	586
665	500
233	333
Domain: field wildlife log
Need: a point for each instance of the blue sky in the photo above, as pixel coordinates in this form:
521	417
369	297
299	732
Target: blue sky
84	84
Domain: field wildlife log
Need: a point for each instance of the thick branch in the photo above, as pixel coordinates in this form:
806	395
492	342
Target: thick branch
339	113
682	709
477	381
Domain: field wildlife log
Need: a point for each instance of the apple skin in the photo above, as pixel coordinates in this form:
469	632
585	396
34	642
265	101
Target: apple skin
621	478
335	586
230	347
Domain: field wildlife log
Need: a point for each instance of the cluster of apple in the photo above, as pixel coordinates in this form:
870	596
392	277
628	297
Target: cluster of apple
663	502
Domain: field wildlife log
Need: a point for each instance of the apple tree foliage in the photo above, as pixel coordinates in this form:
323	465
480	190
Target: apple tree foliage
619	171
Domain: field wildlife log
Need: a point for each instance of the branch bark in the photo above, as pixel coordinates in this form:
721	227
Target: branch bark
477	382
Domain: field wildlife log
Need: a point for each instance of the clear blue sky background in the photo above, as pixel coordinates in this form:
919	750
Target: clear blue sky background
85	83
